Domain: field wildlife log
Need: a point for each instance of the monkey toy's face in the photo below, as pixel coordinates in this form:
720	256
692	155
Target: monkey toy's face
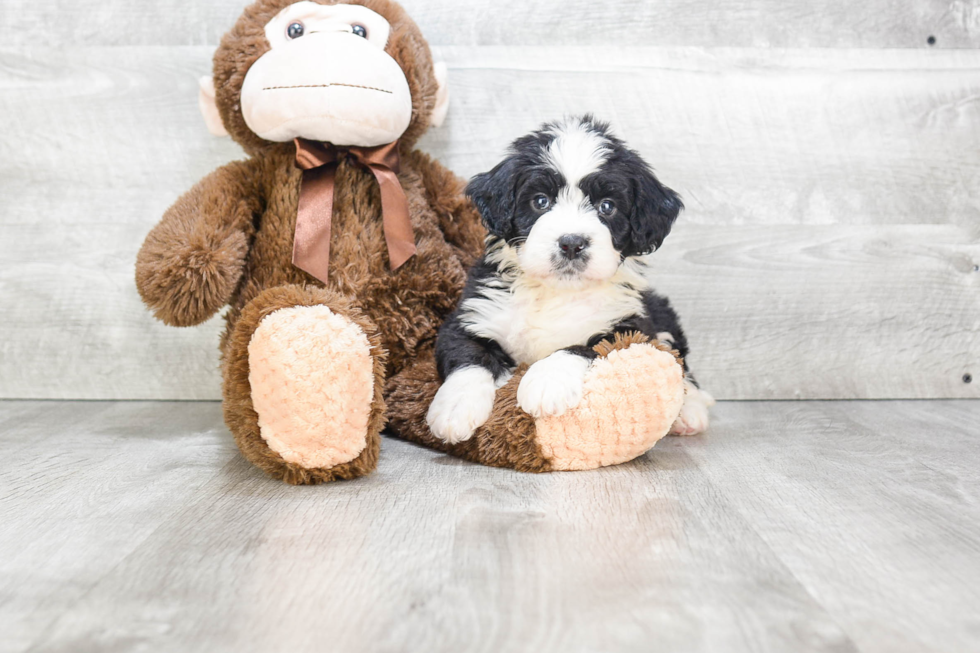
354	73
327	78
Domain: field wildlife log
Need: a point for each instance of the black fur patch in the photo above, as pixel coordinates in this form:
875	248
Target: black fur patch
645	212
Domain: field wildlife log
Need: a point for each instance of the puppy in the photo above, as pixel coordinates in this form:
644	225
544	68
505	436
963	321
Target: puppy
571	214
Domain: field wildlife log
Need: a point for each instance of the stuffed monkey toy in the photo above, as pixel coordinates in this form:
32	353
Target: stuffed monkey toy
340	249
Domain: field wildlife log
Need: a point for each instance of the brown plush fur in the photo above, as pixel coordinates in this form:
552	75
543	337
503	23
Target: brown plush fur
192	262
506	440
229	241
241	417
624	340
246	42
508	437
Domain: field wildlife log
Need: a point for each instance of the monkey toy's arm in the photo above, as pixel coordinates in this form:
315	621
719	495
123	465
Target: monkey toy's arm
191	262
458	218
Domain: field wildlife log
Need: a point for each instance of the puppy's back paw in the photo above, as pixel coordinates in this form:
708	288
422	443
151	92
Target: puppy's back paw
693	418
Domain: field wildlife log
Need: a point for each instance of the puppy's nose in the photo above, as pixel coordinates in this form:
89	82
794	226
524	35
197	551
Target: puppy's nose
572	245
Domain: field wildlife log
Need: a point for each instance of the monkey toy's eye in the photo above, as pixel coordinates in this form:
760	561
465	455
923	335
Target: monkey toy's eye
541	202
295	30
359	30
607	208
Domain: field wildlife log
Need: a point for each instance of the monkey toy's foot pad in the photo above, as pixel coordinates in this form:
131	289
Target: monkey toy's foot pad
630	400
311	375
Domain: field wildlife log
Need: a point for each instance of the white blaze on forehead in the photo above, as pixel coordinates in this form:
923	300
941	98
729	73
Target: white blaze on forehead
576	152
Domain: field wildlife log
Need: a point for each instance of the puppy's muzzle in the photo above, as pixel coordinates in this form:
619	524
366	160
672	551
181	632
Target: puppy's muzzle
573	246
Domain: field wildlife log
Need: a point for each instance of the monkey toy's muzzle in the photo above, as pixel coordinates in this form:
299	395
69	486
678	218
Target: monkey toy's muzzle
334	87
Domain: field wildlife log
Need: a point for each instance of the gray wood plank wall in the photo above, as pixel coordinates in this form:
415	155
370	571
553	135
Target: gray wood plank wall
828	156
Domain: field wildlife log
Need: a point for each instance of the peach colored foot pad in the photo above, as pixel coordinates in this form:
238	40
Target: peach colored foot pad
312	384
630	400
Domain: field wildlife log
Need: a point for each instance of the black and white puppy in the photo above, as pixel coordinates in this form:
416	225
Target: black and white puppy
572	212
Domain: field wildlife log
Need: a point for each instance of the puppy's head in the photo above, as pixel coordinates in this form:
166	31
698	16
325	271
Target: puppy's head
572	202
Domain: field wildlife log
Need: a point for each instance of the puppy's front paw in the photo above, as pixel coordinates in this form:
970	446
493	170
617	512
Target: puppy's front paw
553	385
693	418
463	403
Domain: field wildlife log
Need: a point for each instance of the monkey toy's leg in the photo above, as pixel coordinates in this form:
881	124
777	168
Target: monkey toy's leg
632	394
303	376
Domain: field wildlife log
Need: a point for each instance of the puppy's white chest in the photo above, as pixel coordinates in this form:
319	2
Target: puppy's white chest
532	322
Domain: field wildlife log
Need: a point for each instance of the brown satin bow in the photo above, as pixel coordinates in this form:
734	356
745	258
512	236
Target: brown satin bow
311	242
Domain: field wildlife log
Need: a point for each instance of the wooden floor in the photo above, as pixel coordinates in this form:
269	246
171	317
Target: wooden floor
822	526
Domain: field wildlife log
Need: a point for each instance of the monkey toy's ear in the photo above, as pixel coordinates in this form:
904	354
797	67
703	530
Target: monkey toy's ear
442	95
209	108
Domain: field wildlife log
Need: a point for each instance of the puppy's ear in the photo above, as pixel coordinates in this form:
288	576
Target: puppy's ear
493	194
655	208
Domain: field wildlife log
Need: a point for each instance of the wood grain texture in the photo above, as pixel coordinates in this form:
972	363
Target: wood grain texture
789	526
747	136
747	23
81	487
773	312
827	312
871	506
786	161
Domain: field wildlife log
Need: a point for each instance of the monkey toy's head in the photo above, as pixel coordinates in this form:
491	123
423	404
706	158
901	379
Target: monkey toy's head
356	73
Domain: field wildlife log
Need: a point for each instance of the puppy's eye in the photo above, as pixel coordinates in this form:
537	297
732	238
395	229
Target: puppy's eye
295	30
359	30
541	202
607	208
